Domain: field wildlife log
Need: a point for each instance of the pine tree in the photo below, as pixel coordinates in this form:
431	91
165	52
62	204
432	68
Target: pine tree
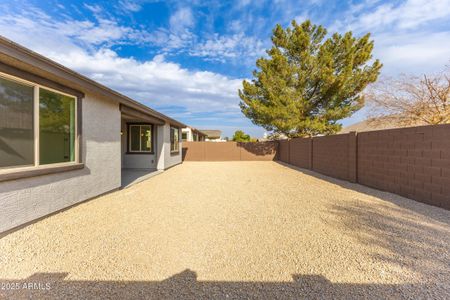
308	82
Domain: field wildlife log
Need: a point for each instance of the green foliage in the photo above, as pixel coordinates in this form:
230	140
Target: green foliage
240	136
308	82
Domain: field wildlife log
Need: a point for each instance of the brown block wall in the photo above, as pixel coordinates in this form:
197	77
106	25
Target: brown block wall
258	150
221	151
229	151
331	155
193	151
283	150
412	162
300	152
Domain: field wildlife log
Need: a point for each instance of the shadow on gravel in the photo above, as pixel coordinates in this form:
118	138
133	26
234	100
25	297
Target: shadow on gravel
421	245
404	204
186	286
415	235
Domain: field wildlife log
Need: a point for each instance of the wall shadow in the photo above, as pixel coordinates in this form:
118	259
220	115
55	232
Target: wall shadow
185	285
184	151
429	211
260	148
409	234
229	151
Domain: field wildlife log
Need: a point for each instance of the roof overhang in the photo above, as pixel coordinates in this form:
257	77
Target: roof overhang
19	57
136	114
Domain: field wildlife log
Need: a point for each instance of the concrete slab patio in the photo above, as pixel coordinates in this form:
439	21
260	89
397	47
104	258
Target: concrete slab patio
229	230
132	176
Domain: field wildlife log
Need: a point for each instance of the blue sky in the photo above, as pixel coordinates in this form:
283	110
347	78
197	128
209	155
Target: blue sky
187	59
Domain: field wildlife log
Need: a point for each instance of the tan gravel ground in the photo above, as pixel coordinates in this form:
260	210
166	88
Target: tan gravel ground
233	230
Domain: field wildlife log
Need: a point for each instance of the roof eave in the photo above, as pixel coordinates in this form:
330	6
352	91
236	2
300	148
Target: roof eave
24	56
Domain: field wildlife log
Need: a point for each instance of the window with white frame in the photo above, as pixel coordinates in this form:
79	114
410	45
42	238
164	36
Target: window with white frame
37	124
174	139
140	138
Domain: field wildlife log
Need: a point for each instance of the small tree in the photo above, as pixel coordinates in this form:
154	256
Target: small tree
240	136
308	82
411	100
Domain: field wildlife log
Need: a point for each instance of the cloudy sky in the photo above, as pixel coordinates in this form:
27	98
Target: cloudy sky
187	59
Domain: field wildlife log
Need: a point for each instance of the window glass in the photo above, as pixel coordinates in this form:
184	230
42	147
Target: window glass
140	138
184	136
56	127
16	124
146	138
135	132
174	139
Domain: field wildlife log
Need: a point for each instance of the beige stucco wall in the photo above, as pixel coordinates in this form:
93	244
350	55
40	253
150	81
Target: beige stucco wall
166	159
188	131
27	199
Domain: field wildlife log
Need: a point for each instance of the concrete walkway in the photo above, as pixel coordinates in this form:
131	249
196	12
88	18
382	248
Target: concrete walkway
133	176
229	230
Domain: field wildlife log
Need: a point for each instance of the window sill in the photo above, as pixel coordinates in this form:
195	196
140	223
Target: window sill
25	172
174	152
148	153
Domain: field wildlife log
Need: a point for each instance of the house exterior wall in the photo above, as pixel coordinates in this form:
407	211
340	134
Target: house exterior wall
188	131
166	159
136	161
192	136
27	199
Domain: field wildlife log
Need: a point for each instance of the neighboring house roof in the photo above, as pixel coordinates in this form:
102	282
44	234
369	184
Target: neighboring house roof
212	134
25	59
375	124
196	131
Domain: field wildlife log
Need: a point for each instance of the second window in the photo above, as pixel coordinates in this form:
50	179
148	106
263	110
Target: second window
140	138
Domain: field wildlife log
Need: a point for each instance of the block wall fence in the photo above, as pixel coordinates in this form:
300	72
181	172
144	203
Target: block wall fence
229	151
413	162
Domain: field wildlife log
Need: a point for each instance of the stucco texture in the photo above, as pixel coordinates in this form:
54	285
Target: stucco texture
26	199
166	158
233	230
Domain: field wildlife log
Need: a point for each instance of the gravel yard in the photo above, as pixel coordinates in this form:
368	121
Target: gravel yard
232	230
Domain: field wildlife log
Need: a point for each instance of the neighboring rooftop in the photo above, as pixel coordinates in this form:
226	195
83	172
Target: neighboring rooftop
200	132
374	124
212	134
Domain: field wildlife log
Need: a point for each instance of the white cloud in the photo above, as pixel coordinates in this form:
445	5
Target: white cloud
236	46
409	37
104	31
236	26
36	25
93	8
158	83
407	15
416	52
181	20
131	6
